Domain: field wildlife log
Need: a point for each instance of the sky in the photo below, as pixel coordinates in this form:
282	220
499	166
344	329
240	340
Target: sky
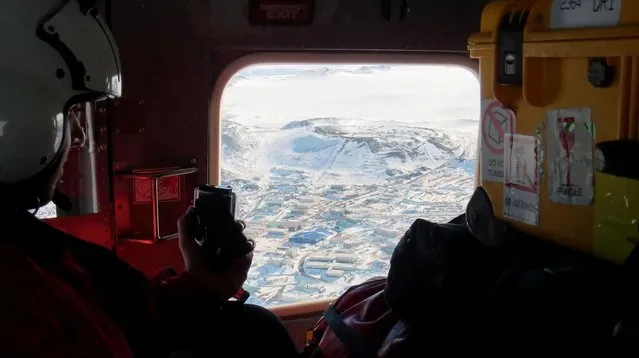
420	95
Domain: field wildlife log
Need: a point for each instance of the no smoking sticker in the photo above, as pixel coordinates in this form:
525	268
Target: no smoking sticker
497	121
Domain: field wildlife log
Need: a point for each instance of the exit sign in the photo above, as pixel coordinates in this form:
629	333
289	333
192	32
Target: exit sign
281	12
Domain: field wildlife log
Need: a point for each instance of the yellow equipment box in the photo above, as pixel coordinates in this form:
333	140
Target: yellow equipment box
557	78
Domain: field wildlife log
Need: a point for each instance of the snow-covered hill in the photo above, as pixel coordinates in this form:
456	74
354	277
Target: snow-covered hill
338	151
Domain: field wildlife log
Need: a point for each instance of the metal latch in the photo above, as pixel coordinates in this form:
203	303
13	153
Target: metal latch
510	49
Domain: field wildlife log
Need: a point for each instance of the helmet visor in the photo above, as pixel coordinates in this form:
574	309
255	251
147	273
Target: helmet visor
33	129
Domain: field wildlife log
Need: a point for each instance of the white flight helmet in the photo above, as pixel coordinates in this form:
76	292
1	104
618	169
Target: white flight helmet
53	54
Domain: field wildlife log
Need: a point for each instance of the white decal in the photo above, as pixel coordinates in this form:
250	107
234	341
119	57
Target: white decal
584	13
569	140
521	185
496	122
2	124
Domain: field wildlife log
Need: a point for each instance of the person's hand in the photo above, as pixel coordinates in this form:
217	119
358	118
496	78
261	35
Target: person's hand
224	283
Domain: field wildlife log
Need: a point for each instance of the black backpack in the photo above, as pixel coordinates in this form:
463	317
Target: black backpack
476	286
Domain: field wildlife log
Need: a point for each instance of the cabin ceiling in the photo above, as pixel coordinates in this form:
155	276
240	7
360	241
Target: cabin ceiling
442	26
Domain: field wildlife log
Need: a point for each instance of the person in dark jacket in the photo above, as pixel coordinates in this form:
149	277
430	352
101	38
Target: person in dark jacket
61	296
210	324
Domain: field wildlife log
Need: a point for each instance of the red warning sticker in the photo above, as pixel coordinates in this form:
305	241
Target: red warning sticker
281	12
168	189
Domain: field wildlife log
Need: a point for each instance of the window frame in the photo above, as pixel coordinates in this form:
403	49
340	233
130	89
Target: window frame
314	307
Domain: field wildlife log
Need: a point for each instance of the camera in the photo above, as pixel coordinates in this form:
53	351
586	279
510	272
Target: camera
212	203
215	198
215	229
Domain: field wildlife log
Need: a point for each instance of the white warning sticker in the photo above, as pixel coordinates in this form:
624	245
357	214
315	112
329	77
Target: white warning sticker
584	13
521	185
496	122
569	143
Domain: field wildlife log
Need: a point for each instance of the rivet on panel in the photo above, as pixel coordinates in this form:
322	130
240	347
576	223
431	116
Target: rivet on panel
141	130
193	160
102	129
117	131
101	110
141	101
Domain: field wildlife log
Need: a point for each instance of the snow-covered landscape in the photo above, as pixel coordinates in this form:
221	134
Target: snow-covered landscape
331	164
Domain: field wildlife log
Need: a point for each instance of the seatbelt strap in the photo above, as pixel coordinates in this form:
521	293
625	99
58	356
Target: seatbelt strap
353	343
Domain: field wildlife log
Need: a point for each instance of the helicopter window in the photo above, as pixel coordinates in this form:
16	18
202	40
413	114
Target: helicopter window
331	164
